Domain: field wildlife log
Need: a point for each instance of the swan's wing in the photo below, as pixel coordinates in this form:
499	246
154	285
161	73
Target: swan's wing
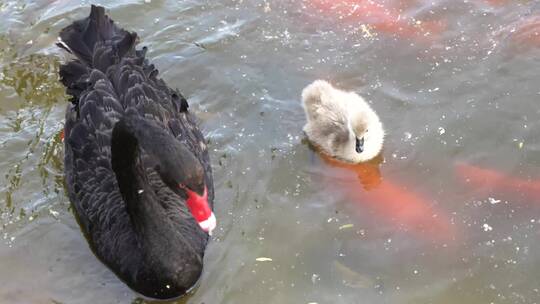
329	126
133	80
90	180
153	99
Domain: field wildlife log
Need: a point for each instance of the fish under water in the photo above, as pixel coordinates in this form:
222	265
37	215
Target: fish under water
524	34
371	14
393	202
351	278
492	179
496	2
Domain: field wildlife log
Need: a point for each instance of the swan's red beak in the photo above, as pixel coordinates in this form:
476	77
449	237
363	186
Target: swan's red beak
200	209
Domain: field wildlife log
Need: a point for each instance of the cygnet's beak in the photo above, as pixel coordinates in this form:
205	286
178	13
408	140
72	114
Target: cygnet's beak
360	145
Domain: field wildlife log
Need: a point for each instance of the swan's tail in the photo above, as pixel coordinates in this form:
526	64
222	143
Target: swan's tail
97	43
84	38
313	93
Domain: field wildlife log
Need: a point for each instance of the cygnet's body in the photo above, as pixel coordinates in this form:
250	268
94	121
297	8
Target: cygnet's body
341	124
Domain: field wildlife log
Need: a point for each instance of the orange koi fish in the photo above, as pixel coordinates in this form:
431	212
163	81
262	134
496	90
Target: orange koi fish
394	203
525	33
496	2
497	180
382	19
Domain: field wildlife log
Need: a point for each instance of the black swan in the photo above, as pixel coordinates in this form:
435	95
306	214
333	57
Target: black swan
136	165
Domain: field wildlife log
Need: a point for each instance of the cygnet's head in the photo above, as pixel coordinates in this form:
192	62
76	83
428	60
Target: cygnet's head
367	131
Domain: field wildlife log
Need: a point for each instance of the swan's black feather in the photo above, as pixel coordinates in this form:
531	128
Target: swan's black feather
107	79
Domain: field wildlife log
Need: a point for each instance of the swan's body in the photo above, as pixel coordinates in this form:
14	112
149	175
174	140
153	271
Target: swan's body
136	165
341	124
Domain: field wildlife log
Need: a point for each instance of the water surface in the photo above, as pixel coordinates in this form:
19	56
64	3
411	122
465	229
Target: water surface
468	94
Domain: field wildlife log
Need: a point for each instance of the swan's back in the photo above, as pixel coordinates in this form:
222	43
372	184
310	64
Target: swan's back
108	78
327	121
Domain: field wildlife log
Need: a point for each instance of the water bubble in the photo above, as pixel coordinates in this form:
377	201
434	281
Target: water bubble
441	131
493	201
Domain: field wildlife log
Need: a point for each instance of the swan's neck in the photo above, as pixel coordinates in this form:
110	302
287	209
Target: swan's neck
165	251
146	214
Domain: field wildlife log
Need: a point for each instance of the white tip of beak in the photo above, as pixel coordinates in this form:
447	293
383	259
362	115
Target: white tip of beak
209	224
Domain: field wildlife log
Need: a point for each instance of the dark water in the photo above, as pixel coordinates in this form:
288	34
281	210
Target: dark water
293	228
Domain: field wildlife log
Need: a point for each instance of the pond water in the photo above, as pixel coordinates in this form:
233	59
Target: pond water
457	84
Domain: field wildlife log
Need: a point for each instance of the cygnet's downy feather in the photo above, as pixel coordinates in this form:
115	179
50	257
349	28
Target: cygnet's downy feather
341	124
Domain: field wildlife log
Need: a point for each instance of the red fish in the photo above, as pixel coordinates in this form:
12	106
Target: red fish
379	17
496	2
62	135
395	204
524	34
497	180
